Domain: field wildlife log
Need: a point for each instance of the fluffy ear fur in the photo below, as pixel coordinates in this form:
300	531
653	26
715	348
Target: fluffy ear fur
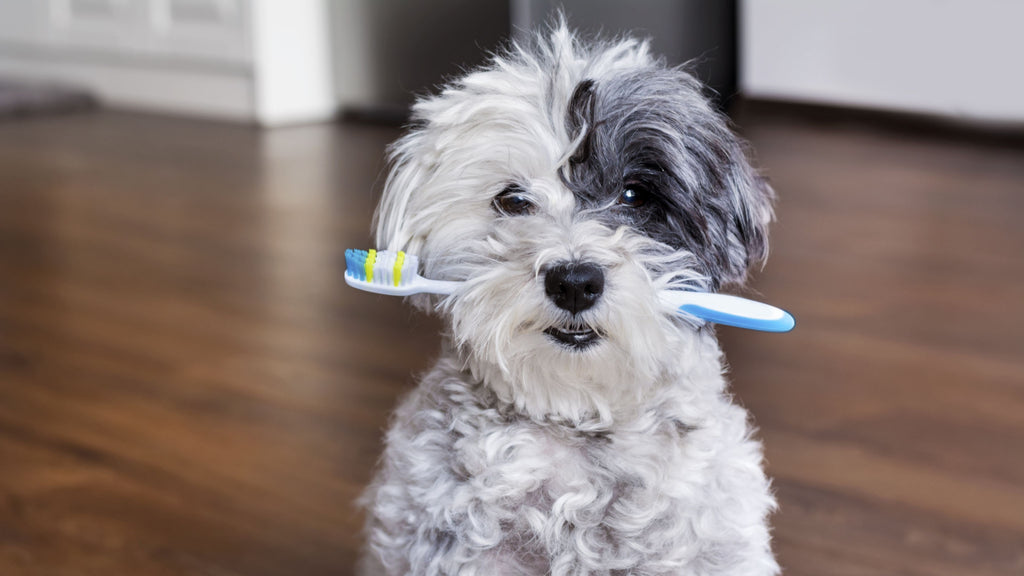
409	169
417	213
752	198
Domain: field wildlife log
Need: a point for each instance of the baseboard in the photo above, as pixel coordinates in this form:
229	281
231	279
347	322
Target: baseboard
224	93
906	122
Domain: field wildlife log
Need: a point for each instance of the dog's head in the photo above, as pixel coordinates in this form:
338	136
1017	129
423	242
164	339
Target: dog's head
568	185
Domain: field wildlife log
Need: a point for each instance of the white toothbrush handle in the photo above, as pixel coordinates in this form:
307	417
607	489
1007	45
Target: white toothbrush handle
428	286
729	310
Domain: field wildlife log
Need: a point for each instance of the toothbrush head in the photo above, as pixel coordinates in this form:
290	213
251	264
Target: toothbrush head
391	273
381	271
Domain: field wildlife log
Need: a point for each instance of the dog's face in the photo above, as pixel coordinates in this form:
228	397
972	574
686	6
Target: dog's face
567	186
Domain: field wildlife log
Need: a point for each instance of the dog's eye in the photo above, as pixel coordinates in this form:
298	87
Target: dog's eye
633	195
512	201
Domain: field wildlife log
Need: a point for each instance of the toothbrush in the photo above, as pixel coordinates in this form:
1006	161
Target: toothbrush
396	274
391	273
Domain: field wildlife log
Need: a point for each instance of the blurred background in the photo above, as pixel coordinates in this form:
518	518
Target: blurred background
187	386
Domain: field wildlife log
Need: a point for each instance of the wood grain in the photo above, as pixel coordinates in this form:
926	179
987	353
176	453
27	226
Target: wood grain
187	387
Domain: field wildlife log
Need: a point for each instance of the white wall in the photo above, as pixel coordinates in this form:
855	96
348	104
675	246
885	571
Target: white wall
956	58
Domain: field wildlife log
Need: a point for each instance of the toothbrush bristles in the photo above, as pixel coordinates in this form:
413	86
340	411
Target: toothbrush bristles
382	267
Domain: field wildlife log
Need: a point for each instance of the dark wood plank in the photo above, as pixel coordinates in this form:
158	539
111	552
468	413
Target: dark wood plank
187	387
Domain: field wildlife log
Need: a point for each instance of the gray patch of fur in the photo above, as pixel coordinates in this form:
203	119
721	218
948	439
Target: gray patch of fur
654	125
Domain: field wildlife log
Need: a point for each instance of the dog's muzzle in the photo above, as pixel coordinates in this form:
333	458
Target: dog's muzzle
574	287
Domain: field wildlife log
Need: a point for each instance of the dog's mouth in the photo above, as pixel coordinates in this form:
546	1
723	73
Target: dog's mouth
575	337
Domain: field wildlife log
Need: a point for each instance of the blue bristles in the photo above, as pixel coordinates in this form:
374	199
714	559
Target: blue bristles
355	263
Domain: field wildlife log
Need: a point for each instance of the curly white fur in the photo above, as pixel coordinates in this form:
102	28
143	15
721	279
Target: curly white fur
520	455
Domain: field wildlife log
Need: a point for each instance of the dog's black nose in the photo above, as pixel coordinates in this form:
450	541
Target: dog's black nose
574	286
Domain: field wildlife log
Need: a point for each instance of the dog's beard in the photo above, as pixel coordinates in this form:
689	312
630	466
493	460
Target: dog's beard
546	361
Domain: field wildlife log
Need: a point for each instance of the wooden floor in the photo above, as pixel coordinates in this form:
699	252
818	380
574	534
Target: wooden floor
187	387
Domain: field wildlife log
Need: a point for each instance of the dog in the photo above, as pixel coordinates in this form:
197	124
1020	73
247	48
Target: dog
572	425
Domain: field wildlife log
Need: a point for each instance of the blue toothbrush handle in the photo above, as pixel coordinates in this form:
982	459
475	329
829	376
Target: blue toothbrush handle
730	310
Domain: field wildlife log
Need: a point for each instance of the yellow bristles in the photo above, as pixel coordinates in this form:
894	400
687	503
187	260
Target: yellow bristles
399	262
371	259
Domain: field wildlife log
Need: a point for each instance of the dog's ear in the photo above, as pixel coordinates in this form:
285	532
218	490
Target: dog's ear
408	169
400	224
751	197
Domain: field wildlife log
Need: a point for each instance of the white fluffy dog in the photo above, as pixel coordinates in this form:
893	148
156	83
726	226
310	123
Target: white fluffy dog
572	425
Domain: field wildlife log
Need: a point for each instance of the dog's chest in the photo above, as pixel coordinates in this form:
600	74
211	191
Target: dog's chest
540	483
